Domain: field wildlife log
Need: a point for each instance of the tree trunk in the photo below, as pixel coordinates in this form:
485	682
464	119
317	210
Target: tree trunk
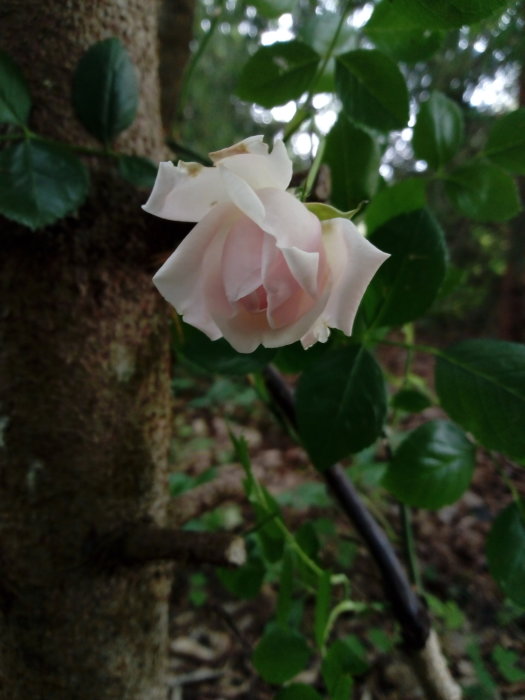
85	411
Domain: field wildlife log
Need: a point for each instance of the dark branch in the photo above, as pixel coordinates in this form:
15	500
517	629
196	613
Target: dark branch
143	544
407	606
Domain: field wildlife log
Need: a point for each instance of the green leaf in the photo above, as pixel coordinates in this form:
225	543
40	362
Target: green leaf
353	157
106	90
400	198
372	89
506	142
507	662
278	73
139	171
40	183
506	551
447	13
345	658
15	101
298	691
432	467
280	654
318	32
483	192
408	282
245	581
391	34
218	356
410	400
292	359
481	385
439	130
341	404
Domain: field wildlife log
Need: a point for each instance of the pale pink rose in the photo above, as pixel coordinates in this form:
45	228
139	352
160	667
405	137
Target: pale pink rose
258	268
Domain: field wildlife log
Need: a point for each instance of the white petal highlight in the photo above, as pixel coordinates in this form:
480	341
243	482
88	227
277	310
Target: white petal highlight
242	195
186	192
179	281
253	144
262	171
304	266
353	261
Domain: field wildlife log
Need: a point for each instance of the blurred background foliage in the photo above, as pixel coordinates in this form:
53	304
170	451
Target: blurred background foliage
479	68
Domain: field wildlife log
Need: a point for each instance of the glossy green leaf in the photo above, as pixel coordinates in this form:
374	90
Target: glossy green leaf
481	385
506	142
278	73
341	404
353	156
40	183
298	691
106	90
408	282
292	359
506	551
218	356
432	467
446	14
372	89
391	34
400	198
15	101
483	192
139	171
280	654
439	130
410	400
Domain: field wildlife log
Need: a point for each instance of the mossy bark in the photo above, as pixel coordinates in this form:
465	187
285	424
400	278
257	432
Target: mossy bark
85	410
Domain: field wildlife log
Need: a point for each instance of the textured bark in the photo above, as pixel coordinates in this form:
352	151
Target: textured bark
85	411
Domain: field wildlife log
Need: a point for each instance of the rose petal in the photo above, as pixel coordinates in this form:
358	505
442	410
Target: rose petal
242	195
297	233
180	279
186	192
242	259
253	144
262	171
353	261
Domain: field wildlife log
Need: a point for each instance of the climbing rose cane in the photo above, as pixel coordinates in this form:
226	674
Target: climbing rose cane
259	267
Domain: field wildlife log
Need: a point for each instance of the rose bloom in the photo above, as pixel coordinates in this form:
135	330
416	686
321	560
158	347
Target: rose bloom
258	268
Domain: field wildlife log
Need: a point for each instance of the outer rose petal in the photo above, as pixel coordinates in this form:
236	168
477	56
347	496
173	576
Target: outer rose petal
253	144
297	234
261	171
186	192
180	279
353	261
